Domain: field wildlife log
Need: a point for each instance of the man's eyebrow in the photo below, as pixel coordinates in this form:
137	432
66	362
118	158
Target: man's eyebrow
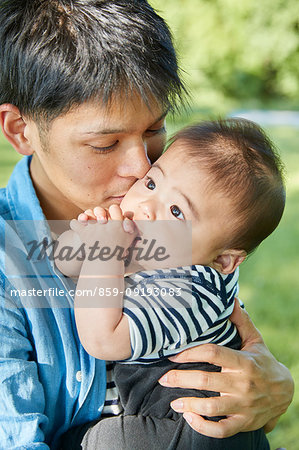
163	115
120	130
104	131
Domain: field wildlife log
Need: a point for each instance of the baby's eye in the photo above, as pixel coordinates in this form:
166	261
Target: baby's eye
176	212
150	184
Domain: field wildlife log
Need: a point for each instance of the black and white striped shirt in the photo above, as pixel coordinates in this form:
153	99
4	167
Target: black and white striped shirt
170	310
112	405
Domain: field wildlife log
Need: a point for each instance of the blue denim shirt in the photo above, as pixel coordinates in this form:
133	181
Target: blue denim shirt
48	383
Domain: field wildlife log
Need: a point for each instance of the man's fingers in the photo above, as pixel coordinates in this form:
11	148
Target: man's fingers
207	406
245	326
224	428
211	353
199	379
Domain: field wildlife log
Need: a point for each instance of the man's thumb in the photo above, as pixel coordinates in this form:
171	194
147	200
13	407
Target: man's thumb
245	326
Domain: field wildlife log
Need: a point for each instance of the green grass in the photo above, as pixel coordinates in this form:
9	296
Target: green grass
269	282
269	285
8	158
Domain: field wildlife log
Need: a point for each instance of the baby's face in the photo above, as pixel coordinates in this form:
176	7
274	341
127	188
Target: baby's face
176	189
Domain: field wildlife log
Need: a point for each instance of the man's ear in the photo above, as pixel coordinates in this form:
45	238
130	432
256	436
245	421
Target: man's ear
229	260
13	127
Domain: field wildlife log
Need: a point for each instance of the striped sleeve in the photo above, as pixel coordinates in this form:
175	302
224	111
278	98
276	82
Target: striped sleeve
112	405
176	309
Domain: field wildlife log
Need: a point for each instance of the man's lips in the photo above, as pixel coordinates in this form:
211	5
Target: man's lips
116	198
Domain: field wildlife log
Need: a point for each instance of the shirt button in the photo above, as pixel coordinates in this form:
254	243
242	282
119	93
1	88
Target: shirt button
79	375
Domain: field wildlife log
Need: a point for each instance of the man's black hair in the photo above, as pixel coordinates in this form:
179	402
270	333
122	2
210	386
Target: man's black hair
58	53
243	164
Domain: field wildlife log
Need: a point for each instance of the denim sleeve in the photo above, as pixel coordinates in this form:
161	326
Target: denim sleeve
22	402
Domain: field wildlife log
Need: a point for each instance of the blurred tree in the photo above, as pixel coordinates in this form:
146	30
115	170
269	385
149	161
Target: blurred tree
242	49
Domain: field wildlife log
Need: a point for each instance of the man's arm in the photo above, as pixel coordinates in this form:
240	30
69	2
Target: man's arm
255	389
22	418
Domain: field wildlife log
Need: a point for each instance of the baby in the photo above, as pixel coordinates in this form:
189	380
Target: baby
225	179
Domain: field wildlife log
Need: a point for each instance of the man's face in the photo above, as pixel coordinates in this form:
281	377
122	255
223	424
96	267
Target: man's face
92	155
176	188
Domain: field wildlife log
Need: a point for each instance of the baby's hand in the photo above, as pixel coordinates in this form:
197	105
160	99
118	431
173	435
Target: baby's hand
115	213
110	227
101	215
98	213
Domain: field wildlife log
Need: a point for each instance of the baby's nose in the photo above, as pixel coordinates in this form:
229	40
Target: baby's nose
148	211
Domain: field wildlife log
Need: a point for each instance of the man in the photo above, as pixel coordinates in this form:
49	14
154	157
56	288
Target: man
85	88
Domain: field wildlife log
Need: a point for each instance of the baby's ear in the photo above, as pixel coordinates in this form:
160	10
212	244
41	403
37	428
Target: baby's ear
229	260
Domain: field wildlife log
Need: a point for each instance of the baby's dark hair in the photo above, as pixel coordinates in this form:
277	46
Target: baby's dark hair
245	166
56	54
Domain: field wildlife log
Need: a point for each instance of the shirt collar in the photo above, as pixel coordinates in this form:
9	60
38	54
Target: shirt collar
22	199
27	216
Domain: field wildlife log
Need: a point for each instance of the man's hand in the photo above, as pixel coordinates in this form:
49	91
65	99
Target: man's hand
255	389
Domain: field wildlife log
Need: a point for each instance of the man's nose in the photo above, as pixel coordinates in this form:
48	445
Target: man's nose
136	162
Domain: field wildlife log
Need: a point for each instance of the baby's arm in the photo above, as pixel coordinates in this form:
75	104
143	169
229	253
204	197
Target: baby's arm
103	329
71	239
69	268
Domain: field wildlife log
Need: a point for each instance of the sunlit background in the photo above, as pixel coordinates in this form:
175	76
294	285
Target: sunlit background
242	58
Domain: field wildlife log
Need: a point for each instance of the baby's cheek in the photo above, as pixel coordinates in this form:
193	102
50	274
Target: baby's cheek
127	203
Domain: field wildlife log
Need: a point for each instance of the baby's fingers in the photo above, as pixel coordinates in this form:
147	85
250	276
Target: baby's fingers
129	226
87	215
115	212
76	225
101	214
83	218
